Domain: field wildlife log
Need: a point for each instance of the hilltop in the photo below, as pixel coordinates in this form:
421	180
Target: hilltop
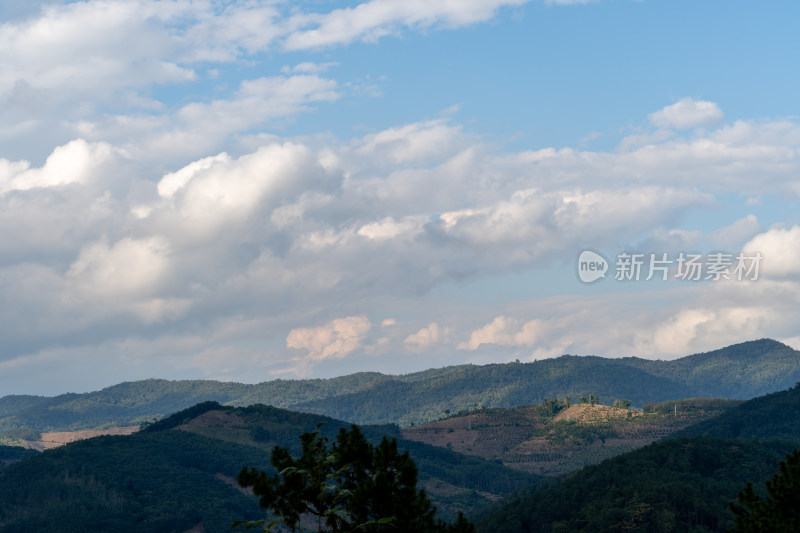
741	371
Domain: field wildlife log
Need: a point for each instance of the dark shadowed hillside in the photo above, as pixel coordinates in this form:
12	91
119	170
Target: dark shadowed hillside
775	415
179	473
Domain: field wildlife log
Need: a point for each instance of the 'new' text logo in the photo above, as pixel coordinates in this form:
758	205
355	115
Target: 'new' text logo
591	266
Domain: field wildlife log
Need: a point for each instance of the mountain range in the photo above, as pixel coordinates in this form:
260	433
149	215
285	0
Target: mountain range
177	473
741	371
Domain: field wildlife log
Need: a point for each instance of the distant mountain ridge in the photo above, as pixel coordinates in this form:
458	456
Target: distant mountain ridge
741	371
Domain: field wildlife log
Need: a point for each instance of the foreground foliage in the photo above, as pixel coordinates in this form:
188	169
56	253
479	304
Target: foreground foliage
676	485
349	486
779	510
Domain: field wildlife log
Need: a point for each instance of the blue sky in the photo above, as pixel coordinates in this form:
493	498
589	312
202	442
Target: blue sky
245	190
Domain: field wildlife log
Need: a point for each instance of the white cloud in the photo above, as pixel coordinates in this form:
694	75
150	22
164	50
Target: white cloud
687	114
428	336
505	331
87	46
98	249
197	127
76	162
308	67
70	68
173	182
131	239
129	267
412	143
213	193
369	21
334	340
388	228
780	248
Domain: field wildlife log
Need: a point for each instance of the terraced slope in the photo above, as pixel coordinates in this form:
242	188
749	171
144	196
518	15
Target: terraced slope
579	435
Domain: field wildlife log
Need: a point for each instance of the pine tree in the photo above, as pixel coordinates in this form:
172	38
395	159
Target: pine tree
348	486
779	511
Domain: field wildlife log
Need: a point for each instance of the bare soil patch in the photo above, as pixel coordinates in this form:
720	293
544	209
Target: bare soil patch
59	438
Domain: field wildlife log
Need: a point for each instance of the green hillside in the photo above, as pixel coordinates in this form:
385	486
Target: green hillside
178	474
775	415
740	372
674	485
682	484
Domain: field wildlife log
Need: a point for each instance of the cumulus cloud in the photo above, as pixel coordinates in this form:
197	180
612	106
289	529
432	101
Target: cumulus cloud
428	336
688	113
138	220
780	248
505	331
294	227
129	267
335	339
86	46
209	194
76	162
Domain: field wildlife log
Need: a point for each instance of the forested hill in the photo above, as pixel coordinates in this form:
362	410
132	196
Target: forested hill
179	474
775	415
741	371
681	484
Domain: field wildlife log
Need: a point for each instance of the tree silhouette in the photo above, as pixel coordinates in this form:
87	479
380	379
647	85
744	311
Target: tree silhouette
348	486
779	511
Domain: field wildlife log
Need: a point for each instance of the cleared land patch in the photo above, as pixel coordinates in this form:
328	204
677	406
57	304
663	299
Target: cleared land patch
576	436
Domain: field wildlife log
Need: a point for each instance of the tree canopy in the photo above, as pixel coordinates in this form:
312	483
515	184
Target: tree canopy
347	486
779	510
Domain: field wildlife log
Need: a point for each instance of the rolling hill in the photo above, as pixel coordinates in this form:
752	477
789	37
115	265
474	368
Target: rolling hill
740	372
678	484
535	439
178	474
